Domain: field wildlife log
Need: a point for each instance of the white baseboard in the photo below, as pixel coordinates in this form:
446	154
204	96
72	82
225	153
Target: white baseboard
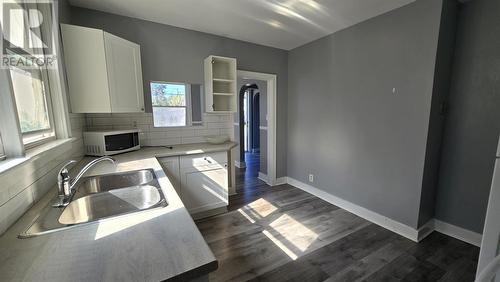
281	180
263	177
459	233
240	164
404	230
395	226
425	230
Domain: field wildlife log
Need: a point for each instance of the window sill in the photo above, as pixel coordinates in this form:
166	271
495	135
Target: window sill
32	153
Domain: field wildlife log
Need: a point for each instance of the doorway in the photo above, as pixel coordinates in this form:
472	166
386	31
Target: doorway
249	124
255	124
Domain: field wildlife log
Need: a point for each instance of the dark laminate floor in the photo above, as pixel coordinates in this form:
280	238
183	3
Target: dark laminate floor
284	234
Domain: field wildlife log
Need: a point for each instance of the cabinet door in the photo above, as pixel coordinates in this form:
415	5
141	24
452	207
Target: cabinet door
203	190
171	167
85	61
124	74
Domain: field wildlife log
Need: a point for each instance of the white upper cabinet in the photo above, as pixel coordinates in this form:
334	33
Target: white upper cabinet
220	84
124	74
104	71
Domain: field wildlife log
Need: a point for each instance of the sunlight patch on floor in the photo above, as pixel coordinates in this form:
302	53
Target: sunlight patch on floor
262	207
294	232
246	215
285	232
280	245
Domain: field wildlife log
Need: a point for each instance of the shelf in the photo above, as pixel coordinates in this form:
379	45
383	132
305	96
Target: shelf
220	84
223	80
223	94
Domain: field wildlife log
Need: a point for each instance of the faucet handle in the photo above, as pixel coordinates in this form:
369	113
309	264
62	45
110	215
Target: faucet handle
63	169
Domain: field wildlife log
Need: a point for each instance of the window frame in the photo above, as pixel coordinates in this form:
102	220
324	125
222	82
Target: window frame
187	106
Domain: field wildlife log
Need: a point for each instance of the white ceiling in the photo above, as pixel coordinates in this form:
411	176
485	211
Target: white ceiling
284	24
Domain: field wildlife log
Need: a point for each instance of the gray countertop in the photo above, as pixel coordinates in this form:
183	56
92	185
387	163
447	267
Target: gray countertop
152	245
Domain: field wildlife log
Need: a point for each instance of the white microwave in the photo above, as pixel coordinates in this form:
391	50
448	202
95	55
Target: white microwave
106	143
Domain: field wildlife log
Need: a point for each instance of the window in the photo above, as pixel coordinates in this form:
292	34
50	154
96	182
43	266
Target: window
32	98
33	105
29	84
170	104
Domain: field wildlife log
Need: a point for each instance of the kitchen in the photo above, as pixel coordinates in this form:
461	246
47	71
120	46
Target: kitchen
123	161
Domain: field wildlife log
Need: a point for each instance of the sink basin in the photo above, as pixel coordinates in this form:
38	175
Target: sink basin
100	197
108	182
106	204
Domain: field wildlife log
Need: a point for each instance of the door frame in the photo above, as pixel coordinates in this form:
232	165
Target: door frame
490	240
271	80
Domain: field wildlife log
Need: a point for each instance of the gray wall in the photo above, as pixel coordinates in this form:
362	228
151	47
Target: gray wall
473	120
175	54
441	89
362	142
64	10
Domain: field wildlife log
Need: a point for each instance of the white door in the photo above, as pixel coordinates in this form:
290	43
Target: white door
203	190
123	60
490	245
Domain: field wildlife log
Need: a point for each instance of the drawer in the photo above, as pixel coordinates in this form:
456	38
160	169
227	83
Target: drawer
203	160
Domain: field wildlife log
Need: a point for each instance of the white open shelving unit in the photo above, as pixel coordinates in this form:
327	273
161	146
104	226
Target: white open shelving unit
220	84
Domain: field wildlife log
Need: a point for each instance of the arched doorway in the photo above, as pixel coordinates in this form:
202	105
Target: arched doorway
249	121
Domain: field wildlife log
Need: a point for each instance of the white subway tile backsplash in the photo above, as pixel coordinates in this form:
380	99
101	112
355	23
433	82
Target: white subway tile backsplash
25	184
207	132
191	140
165	141
157	135
15	208
214	124
227	132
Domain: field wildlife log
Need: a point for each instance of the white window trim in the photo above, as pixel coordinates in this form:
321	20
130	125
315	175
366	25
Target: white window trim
187	106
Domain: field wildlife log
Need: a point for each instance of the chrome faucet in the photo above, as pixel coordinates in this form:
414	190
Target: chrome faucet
66	185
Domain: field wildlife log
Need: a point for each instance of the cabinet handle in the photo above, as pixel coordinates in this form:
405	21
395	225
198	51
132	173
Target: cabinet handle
207	160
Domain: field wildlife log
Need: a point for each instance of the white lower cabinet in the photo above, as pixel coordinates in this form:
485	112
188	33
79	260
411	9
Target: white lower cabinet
201	180
204	189
171	167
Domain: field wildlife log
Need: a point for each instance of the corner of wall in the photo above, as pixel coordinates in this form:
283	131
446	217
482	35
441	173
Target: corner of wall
441	88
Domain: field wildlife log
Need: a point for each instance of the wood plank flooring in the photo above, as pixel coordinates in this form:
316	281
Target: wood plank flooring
284	234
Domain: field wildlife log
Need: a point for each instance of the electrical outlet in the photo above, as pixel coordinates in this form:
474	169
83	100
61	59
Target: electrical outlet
311	177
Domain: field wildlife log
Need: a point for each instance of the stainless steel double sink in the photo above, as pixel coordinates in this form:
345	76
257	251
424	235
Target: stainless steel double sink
100	197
